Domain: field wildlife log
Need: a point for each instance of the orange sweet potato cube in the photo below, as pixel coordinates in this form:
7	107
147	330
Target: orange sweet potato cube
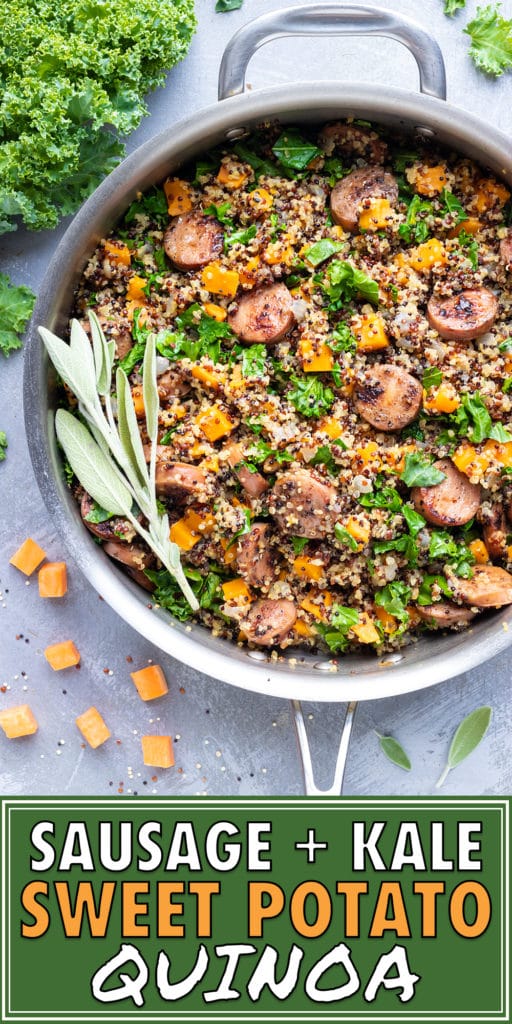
150	682
53	580
18	721
157	751
62	655
93	728
28	557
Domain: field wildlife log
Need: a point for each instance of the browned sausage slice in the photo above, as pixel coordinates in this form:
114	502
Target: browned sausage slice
111	529
464	316
506	250
178	480
263	316
303	505
388	397
254	559
192	240
452	502
131	555
140	577
172	385
494	529
364	183
444	614
268	622
354	139
489	587
253	483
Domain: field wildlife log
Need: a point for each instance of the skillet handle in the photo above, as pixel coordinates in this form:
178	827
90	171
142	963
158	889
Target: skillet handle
331	19
310	786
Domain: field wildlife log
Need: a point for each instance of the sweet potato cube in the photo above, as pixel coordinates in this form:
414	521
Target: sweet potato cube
18	721
62	655
28	557
93	728
215	423
157	751
177	193
135	291
150	682
53	579
118	252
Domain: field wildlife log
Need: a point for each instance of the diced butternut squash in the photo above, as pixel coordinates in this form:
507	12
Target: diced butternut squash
28	557
189	530
430	181
479	552
229	550
62	655
316	607
138	401
377	216
370	332
501	452
315	358
428	254
247	275
210	378
150	682
18	721
330	426
52	579
307	567
443	399
118	252
177	193
365	630
489	194
387	621
359	531
157	751
469	461
93	728
278	252
368	452
471	226
394	457
219	280
236	590
217	312
302	628
215	423
134	292
261	200
231	176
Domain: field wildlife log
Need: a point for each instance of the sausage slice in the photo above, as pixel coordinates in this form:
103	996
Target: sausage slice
172	385
464	316
192	240
176	480
364	183
269	622
388	397
253	483
303	505
131	555
506	250
444	613
452	502
264	315
253	557
494	529
112	529
489	587
354	139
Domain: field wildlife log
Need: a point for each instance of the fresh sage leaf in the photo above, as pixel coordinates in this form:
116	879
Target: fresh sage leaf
94	470
66	363
104	354
129	429
394	751
150	389
468	735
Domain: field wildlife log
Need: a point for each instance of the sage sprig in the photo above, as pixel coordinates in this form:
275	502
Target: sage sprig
394	751
468	735
107	456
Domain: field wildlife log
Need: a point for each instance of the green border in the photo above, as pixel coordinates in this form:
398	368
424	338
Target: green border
500	805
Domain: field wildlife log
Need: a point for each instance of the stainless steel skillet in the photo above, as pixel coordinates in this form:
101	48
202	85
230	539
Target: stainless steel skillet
294	676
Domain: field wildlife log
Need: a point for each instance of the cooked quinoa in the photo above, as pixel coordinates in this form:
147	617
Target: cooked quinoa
333	317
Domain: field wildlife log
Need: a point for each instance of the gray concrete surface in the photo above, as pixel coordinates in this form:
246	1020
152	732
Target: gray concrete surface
228	741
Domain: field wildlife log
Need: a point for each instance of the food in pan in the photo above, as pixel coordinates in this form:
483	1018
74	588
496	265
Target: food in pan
332	314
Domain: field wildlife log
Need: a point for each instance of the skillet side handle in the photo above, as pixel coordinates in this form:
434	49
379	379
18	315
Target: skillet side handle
310	787
331	19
